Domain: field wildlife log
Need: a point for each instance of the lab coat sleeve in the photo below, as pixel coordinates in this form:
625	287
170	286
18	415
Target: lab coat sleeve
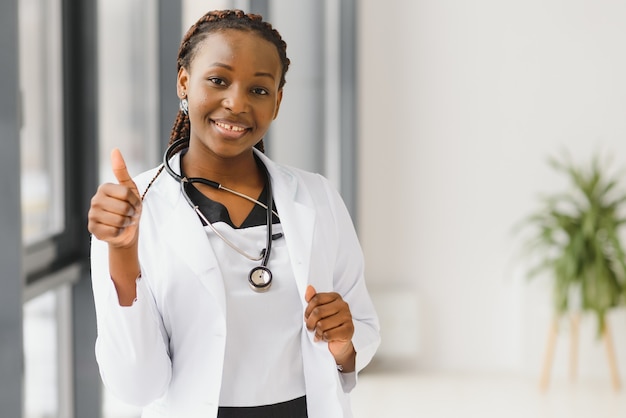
349	282
131	347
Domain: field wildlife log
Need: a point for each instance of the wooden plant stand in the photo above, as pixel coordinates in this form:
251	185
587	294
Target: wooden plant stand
573	359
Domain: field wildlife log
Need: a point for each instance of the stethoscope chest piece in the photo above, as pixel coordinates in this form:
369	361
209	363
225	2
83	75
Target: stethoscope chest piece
260	279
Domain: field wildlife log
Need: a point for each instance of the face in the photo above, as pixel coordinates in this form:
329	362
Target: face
232	90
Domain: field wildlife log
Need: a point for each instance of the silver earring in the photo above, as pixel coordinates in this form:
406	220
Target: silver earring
184	106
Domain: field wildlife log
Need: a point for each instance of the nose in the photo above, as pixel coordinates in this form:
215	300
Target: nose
236	100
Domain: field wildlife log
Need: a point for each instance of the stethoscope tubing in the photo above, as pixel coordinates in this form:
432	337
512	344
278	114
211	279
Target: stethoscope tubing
265	253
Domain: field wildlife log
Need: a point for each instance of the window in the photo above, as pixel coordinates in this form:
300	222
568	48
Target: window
127	84
46	320
42	118
47	355
40	351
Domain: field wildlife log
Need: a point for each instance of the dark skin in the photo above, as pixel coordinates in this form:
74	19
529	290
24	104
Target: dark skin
328	315
232	86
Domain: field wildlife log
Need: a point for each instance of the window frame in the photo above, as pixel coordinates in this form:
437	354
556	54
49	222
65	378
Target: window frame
11	273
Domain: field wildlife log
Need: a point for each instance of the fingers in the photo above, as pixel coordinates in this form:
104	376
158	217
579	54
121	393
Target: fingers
116	199
114	205
328	315
113	208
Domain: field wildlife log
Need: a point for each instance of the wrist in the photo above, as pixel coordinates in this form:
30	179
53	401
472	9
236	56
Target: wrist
346	360
124	270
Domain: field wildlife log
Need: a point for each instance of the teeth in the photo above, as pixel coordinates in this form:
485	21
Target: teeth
230	127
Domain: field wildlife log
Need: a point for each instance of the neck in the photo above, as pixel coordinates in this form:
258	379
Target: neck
228	171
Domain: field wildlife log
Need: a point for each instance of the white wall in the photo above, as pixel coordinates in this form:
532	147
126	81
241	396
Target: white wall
460	104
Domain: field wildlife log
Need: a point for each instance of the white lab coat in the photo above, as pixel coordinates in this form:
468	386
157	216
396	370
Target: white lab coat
166	351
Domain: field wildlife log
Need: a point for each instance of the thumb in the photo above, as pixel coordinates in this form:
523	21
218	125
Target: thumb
118	165
309	293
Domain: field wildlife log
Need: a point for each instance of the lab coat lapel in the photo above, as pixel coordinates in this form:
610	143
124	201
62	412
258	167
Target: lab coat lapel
298	222
297	216
188	240
297	219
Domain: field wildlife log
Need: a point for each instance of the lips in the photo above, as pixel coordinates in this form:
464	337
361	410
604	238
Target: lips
230	127
230	130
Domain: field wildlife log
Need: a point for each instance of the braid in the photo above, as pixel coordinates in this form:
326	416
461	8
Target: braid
180	129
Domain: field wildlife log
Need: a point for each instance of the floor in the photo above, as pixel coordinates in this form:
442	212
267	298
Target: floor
398	395
381	394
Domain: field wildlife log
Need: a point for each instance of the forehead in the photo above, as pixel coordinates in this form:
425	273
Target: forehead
243	49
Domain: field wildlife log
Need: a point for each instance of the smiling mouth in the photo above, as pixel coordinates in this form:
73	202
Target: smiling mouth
229	127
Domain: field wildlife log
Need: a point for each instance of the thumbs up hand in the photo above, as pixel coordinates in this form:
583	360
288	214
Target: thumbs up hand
116	208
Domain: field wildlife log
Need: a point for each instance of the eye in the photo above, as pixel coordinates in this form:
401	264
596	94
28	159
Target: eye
217	81
260	91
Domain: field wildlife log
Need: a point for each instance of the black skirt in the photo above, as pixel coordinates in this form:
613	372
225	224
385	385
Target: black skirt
295	408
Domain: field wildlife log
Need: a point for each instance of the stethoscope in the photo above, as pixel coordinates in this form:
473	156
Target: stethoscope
260	277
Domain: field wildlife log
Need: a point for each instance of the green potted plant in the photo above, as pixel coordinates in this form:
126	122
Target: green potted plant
574	236
577	240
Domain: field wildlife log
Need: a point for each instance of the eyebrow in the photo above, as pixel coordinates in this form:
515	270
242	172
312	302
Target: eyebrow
257	74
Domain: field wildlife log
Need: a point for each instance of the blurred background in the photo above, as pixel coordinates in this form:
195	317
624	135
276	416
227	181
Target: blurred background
434	119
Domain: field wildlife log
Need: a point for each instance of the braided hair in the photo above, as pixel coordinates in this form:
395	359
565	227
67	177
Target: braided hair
214	21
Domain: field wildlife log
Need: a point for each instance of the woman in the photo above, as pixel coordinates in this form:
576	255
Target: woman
231	286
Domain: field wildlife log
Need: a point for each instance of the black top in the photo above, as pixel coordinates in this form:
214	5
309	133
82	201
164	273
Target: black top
216	212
